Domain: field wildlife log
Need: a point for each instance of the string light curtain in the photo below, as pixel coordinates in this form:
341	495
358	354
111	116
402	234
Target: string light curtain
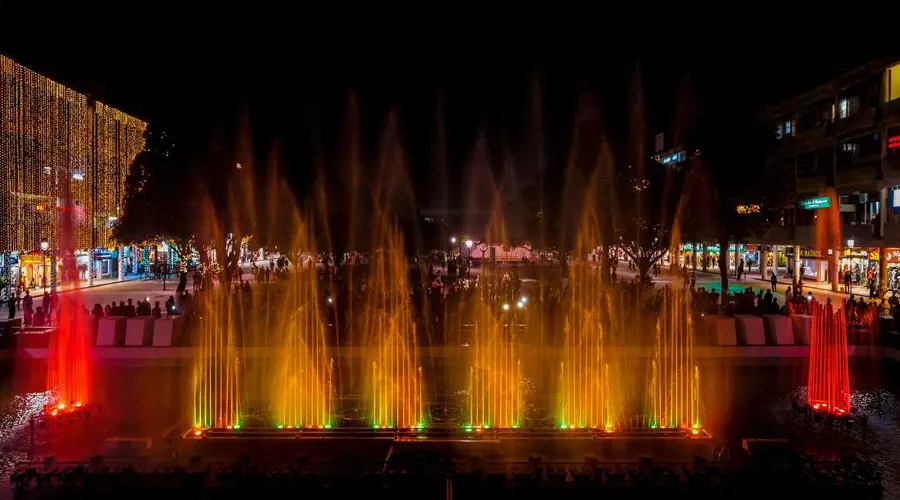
59	153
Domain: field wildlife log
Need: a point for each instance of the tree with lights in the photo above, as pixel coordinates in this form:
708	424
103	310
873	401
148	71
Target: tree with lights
723	177
159	205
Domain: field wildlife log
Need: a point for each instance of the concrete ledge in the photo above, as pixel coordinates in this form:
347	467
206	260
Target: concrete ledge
139	331
802	326
167	331
111	331
720	330
750	329
779	330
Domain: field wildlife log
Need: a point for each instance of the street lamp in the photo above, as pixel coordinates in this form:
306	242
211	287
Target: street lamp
44	246
453	240
165	248
469	243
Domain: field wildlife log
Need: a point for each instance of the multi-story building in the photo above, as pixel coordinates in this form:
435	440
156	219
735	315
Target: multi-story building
63	157
841	142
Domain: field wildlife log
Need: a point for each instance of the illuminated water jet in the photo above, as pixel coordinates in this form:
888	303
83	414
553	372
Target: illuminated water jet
217	396
829	373
674	379
495	374
395	383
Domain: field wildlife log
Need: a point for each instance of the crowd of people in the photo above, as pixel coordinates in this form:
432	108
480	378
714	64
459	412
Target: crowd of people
765	476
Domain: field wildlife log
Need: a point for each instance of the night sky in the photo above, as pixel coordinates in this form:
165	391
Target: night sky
295	84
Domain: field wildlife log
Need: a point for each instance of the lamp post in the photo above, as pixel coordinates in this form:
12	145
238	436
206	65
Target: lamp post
44	246
165	248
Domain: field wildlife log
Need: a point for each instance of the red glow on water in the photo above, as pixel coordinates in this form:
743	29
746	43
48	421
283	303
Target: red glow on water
68	370
829	372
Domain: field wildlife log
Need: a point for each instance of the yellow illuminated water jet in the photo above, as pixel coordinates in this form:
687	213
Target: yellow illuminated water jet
217	396
674	379
395	384
303	387
495	374
588	396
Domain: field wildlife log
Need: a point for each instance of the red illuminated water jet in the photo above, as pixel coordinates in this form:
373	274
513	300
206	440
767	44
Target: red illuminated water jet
68	370
69	361
829	371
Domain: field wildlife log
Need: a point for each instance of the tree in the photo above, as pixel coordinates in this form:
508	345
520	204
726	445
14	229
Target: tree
159	205
734	175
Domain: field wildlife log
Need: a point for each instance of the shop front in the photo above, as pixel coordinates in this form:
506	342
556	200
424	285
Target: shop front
106	263
892	255
35	270
856	262
813	263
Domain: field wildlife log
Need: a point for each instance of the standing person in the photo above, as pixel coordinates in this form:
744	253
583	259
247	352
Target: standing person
11	305
774	281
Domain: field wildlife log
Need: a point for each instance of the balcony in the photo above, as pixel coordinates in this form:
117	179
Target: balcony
861	234
890	167
811	138
892	234
864	118
862	175
811	184
890	112
777	235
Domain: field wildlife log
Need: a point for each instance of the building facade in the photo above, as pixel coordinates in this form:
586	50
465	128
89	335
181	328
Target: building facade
840	146
63	161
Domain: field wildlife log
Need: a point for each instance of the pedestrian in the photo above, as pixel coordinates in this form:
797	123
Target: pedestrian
774	281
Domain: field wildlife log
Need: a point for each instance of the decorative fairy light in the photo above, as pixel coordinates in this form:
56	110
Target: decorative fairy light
59	150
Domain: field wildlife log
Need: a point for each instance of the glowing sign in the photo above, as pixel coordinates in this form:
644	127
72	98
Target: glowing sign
748	209
894	142
816	203
40	207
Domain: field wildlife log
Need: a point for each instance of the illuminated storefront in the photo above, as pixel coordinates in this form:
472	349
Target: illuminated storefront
813	263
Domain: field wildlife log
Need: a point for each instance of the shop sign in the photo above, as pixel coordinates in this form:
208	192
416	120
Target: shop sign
855	253
30	259
805	253
874	254
815	203
102	253
40	207
752	247
748	209
893	142
893	255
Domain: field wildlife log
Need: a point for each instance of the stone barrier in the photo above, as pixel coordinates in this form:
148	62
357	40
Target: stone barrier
167	331
750	329
720	330
779	330
802	326
111	331
139	331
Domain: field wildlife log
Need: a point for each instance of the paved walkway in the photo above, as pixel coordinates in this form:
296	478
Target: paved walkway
819	290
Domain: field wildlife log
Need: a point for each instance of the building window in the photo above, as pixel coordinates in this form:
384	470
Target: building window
788	127
892	83
847	107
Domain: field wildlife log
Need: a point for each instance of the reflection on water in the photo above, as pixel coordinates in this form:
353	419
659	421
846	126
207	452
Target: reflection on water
745	402
14	418
881	442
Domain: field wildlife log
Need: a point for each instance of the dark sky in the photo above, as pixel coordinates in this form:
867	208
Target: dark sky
295	78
